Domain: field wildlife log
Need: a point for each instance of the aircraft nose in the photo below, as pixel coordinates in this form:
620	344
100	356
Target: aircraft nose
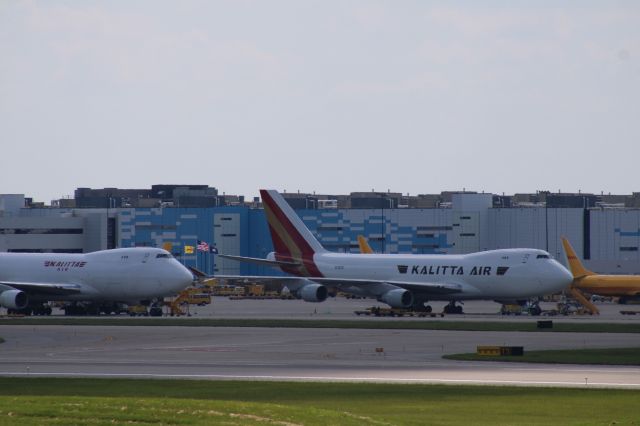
562	278
186	276
182	277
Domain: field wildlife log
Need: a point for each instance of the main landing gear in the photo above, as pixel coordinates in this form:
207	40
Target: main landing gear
452	308
421	307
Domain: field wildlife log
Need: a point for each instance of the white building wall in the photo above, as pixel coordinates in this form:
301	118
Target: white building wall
536	228
226	234
567	223
12	236
470	221
615	235
95	233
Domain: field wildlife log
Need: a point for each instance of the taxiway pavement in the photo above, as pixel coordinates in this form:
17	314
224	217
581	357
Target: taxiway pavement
407	356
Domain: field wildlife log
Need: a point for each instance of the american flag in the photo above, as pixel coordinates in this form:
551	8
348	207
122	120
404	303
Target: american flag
203	246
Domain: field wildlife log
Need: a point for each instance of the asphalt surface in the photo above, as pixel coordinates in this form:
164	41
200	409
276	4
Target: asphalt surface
341	308
405	356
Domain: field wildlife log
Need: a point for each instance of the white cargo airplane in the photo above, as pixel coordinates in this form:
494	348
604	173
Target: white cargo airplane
400	280
118	275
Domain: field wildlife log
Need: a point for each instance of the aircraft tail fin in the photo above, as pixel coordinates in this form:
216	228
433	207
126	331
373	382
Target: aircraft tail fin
365	248
577	268
292	240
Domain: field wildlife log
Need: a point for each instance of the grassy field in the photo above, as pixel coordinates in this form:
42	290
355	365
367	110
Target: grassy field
390	324
105	401
611	356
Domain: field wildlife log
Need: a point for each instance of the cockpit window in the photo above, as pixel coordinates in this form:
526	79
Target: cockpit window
542	256
163	255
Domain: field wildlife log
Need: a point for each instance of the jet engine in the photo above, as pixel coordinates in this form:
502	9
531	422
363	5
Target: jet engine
13	299
313	293
398	298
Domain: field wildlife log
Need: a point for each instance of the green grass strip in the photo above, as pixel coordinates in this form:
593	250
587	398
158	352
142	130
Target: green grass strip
612	356
390	324
121	401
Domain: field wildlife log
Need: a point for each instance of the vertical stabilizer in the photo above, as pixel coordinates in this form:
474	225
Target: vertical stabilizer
365	248
292	240
577	269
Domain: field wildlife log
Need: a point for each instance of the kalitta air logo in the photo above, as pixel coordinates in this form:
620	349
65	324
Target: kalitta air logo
445	270
63	266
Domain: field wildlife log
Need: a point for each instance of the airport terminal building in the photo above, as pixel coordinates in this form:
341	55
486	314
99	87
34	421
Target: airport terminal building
605	233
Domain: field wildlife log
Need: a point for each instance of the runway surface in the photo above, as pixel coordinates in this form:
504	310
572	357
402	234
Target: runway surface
407	356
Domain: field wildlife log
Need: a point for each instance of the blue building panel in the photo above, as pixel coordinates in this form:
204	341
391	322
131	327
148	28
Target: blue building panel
393	231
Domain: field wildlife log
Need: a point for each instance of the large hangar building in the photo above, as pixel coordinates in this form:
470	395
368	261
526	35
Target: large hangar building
605	230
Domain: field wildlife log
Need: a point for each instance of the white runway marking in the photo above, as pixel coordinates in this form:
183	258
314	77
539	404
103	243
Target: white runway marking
330	379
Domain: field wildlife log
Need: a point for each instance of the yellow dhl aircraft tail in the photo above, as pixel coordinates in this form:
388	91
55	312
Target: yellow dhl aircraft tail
577	268
365	248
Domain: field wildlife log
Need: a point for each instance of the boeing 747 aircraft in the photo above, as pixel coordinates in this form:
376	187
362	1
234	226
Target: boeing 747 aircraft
400	280
119	275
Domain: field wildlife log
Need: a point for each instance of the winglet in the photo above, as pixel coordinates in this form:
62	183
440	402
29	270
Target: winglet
576	267
365	248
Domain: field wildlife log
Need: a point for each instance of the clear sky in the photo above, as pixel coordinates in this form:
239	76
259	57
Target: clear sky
325	96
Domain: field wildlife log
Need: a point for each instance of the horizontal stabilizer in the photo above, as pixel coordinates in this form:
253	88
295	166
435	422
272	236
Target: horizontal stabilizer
197	272
259	261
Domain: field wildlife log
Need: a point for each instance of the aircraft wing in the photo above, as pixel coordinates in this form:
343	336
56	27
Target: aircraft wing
373	287
42	288
259	261
381	286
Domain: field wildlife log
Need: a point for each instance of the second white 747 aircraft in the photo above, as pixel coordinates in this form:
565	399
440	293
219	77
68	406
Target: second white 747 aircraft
119	275
400	280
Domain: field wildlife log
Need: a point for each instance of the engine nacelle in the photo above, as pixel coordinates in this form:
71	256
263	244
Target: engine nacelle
398	298
13	299
313	293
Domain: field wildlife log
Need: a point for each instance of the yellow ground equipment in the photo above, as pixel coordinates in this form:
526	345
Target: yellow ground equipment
197	297
138	311
255	290
188	296
511	309
227	290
